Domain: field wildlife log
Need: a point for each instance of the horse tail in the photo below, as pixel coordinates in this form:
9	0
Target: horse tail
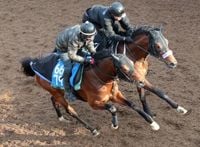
26	67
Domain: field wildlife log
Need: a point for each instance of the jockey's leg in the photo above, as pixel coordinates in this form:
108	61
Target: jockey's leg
67	71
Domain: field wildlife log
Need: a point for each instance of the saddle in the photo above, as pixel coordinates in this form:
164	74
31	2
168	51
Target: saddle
51	69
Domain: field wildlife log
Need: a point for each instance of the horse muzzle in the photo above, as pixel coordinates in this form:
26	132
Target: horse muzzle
172	65
169	59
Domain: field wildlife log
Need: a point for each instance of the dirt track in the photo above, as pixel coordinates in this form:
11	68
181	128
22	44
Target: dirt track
27	118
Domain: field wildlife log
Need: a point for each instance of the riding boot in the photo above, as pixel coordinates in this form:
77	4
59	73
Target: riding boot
68	93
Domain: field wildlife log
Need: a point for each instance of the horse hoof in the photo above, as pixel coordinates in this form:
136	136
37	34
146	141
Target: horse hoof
181	110
62	119
95	132
153	115
188	112
114	127
155	126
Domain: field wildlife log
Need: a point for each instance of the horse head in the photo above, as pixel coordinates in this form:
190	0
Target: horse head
160	48
152	41
114	65
124	66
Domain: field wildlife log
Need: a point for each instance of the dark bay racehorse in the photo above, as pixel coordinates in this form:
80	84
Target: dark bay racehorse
98	88
149	41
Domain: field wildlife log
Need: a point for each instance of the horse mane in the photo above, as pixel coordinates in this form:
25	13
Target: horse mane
145	29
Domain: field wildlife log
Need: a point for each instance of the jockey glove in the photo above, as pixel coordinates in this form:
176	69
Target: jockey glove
93	53
89	60
128	39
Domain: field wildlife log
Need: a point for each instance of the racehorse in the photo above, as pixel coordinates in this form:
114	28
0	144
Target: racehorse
98	88
149	41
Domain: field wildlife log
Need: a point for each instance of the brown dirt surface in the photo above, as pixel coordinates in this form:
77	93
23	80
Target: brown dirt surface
27	118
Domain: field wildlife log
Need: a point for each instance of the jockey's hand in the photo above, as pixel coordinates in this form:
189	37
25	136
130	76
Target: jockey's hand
128	39
93	53
89	60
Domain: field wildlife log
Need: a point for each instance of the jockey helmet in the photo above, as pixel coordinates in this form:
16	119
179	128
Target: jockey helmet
116	9
88	31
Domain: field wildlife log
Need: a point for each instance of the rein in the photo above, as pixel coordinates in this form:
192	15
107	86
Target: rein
116	77
103	73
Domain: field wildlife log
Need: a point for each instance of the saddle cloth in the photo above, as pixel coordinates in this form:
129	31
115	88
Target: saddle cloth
51	69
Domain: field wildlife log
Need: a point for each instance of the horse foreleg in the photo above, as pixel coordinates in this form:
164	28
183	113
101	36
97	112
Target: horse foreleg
119	98
145	105
101	105
165	97
58	112
112	109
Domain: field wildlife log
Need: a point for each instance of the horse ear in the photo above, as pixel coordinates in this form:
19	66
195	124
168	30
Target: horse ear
161	27
115	57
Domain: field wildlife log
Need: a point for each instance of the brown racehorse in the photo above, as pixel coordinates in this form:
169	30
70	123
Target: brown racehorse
98	88
149	41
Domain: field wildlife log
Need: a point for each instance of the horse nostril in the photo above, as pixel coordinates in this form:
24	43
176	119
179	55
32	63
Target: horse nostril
173	65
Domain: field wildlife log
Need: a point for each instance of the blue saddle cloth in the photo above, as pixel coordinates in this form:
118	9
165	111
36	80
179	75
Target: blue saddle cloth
75	78
51	69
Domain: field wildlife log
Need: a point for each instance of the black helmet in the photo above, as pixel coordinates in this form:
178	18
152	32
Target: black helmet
87	29
117	9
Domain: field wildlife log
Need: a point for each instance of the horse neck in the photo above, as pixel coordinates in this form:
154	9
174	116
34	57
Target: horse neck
138	50
105	70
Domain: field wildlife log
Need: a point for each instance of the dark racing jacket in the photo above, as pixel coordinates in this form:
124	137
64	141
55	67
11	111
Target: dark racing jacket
70	41
101	17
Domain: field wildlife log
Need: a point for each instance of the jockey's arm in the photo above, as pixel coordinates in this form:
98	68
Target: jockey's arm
72	52
90	47
125	24
109	32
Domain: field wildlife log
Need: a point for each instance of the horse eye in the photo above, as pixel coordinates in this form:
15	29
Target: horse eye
158	46
125	68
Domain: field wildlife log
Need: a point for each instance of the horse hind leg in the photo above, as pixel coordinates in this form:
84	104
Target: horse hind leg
73	113
58	112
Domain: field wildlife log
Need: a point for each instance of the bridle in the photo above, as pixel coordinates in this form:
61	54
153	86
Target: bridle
119	73
151	50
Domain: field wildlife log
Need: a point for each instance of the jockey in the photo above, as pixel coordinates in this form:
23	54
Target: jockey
68	43
108	21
